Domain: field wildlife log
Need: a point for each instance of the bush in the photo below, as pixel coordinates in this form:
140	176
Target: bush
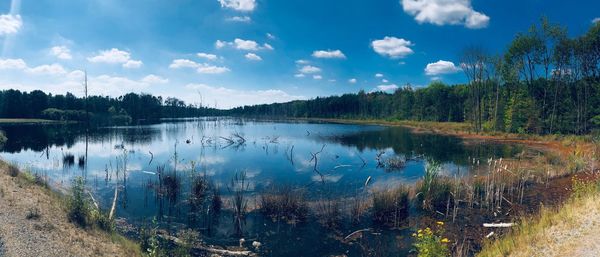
78	205
390	206
13	171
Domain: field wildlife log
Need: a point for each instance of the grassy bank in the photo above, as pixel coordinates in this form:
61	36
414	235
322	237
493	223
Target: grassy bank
36	218
571	230
27	121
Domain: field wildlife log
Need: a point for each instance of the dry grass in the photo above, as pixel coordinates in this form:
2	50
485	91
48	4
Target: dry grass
573	230
50	234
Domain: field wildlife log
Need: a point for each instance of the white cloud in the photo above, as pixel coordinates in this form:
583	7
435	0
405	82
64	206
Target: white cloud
596	20
115	86
441	67
317	77
385	81
332	80
302	62
154	79
132	64
52	69
18	64
61	52
183	63
392	47
271	36
205	68
210	57
329	54
379	75
352	81
228	98
391	87
308	69
242	44
253	57
10	24
299	75
114	56
442	12
239	5
243	19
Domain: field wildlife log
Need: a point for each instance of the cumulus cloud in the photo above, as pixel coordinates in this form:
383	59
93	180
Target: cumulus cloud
10	24
228	97
154	79
210	57
21	65
379	75
391	87
392	47
52	69
115	56
253	57
302	62
203	68
317	77
239	5
18	64
183	63
352	81
308	69
441	67
61	52
329	54
442	12
385	81
243	19
241	44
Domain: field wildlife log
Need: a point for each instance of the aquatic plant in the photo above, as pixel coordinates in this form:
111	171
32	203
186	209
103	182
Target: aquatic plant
238	187
284	202
358	208
390	206
328	212
433	192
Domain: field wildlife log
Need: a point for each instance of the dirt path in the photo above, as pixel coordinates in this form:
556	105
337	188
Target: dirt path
23	233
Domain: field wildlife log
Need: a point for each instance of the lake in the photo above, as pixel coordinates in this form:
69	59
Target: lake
325	160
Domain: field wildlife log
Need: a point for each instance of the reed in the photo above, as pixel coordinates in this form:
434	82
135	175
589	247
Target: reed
390	206
285	203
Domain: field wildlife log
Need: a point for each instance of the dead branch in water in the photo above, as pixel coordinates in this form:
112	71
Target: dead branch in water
315	158
210	249
114	204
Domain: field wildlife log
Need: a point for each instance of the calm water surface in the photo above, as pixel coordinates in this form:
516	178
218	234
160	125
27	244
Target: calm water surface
274	153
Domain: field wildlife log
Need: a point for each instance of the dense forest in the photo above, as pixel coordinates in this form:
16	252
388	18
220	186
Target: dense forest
545	82
99	109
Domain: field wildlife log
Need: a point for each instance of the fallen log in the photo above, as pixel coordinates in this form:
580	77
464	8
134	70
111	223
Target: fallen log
497	225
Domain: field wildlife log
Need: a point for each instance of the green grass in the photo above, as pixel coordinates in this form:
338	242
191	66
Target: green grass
27	121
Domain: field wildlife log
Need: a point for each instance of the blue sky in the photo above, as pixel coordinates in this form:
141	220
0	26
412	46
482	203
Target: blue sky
235	52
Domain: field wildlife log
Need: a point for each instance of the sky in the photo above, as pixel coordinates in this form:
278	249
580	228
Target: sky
228	53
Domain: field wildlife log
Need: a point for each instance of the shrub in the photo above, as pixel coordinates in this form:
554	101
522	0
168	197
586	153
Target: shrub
430	243
78	205
390	206
13	171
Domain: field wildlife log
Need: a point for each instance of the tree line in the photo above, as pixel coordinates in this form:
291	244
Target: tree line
545	82
125	109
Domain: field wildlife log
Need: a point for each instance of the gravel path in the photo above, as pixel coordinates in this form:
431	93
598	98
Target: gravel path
50	234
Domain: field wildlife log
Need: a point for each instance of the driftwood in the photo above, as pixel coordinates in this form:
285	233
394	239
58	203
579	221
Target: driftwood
114	204
356	232
209	249
497	225
93	200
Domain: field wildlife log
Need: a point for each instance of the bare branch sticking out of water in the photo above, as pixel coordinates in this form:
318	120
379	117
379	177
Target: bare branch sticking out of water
315	158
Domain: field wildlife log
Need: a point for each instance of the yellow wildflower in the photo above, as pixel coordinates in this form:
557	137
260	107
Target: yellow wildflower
445	240
441	223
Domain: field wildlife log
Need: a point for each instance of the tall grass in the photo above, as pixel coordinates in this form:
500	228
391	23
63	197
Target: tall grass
390	207
238	187
285	203
433	192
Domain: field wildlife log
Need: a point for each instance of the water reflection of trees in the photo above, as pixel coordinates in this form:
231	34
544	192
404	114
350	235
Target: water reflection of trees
39	138
440	148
